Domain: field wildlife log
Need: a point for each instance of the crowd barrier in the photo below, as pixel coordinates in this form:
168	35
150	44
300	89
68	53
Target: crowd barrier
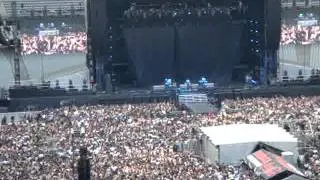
192	98
18	116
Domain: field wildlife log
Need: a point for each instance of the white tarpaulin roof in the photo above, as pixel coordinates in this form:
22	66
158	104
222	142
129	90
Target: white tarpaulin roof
246	133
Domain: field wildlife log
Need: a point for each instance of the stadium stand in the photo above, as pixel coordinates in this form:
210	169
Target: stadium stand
53	7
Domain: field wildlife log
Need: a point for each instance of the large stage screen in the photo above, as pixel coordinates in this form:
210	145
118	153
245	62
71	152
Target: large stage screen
300	41
54	48
50	36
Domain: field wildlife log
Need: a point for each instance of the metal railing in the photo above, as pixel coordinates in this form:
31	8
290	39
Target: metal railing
38	84
16	117
193	98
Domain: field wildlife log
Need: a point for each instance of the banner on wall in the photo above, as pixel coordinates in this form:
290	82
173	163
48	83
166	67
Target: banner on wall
50	32
313	22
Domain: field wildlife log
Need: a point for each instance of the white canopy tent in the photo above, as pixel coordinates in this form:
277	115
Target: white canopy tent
229	144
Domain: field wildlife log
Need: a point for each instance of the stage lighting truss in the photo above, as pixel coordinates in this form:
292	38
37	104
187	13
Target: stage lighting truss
52	8
255	36
178	11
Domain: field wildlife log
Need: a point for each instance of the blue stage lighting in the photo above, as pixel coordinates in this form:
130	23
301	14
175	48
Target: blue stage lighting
188	83
168	83
203	82
253	82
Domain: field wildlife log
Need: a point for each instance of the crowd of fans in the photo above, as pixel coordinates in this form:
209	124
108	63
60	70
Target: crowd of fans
136	141
64	44
299	34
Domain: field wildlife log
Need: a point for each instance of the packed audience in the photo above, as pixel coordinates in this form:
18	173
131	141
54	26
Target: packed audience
64	44
299	34
136	141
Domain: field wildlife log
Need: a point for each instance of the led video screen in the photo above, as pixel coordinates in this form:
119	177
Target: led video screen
300	40
302	29
53	48
53	36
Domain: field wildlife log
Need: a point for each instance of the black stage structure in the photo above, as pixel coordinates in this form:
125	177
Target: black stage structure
143	42
146	96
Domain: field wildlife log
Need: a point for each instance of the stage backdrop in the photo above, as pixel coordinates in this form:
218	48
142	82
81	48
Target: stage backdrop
151	51
182	52
52	47
209	50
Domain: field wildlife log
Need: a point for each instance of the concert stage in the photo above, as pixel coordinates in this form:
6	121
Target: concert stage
150	40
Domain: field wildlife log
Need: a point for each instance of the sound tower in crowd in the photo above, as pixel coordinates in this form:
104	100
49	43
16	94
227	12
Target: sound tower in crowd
84	165
89	57
17	46
151	41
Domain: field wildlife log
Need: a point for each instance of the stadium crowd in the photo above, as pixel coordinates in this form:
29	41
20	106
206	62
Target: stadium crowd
299	34
136	141
67	43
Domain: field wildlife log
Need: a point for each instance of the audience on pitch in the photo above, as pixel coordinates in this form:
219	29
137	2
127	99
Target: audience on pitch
136	141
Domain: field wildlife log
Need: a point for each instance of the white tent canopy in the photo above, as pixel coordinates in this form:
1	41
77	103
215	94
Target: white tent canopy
229	144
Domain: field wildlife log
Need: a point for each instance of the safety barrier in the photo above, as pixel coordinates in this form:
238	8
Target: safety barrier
192	98
18	116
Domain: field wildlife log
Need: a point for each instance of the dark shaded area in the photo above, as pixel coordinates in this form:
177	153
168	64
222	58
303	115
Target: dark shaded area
209	50
4	102
269	148
33	91
182	52
125	97
84	167
152	52
295	177
273	23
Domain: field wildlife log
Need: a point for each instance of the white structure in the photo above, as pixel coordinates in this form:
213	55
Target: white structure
228	144
192	98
